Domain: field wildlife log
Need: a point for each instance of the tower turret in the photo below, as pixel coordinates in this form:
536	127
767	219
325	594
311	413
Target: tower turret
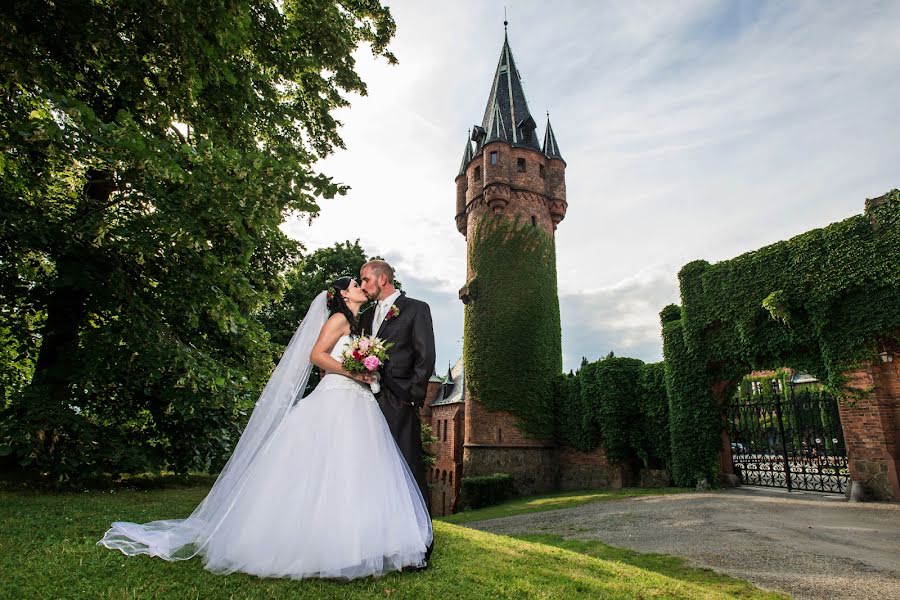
510	198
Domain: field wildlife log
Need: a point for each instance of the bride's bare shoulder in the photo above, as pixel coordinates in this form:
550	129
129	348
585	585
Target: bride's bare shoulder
336	323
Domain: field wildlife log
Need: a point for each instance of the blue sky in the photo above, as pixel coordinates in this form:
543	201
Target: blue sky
691	129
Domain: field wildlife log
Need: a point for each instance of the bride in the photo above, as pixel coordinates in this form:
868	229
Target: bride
316	487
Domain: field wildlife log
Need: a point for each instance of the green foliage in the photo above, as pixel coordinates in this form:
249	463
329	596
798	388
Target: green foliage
575	426
513	348
651	440
149	154
486	490
619	404
616	405
694	421
428	438
312	274
822	302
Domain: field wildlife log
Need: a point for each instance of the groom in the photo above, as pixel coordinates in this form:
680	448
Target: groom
406	323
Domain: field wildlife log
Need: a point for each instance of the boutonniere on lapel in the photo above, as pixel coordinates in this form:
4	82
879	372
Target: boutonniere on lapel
392	312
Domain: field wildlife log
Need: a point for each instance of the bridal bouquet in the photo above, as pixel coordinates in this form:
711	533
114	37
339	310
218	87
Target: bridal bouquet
364	355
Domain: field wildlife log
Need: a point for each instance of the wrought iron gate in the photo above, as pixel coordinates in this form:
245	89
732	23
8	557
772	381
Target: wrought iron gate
788	438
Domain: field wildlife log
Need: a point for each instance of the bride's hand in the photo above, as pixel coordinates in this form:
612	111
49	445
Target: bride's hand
365	378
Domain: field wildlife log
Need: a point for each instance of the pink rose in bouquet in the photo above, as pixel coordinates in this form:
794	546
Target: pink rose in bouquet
371	363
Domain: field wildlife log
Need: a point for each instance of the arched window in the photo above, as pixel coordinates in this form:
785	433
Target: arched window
477	174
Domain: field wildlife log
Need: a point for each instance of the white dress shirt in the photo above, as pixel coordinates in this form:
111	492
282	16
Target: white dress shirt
381	310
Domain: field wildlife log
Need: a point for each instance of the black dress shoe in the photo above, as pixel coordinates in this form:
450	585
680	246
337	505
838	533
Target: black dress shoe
419	567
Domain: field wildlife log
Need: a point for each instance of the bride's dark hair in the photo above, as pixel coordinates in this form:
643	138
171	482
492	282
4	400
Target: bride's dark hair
336	302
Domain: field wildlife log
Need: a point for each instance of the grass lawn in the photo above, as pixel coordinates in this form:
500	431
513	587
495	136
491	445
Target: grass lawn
530	504
48	550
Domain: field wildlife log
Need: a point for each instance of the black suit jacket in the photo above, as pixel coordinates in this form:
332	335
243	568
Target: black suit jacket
411	358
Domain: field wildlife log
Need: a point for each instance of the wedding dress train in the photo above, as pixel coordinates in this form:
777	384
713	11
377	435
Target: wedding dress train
327	495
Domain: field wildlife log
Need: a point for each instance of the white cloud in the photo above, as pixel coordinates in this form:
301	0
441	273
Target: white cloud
691	130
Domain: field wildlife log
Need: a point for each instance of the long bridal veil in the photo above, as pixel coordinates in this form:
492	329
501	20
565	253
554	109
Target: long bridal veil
180	539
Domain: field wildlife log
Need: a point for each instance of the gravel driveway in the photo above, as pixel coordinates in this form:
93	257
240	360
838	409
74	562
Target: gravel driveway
808	545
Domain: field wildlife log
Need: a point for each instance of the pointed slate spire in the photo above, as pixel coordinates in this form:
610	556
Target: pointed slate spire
496	128
448	383
551	148
507	99
467	156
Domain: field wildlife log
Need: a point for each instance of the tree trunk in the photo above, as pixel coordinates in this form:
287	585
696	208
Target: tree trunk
57	363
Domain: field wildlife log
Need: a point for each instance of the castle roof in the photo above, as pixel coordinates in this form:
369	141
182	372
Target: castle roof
551	148
456	393
467	157
506	116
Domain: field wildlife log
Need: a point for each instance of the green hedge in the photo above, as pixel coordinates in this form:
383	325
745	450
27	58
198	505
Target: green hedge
486	490
822	302
513	350
619	404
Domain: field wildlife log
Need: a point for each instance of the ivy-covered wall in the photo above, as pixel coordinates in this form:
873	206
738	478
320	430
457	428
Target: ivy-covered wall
821	302
619	404
513	350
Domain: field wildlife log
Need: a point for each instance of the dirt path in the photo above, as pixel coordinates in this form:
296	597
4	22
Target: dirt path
808	545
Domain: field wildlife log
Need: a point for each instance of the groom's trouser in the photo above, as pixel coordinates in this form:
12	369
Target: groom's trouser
403	419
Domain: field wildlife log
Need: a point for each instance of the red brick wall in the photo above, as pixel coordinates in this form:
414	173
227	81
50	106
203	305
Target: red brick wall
527	194
588	470
431	393
494	428
872	428
447	425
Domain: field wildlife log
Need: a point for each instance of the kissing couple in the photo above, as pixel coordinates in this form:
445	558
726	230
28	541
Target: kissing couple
330	485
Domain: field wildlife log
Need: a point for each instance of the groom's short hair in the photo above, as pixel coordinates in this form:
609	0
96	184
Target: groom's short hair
380	267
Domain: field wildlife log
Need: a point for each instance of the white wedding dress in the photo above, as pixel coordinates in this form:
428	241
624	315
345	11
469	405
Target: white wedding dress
328	495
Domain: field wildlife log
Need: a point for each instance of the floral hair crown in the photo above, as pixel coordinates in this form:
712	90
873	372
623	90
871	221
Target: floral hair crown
328	294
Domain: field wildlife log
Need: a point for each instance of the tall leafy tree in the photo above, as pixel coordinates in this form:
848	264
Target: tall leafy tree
149	153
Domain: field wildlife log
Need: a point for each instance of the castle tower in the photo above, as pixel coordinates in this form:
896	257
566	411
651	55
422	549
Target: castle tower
510	198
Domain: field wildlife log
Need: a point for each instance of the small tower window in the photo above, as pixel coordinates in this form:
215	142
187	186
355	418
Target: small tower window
533	221
543	172
477	173
495	158
520	165
499	435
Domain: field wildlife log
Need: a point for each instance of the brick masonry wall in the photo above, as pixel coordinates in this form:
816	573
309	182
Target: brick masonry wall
588	470
534	469
447	425
487	427
872	428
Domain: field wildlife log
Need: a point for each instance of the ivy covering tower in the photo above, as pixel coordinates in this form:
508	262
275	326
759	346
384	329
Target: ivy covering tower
510	198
